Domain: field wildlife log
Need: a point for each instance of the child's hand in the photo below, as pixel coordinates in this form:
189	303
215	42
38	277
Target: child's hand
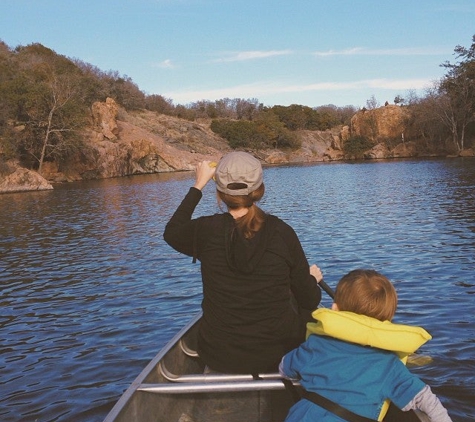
316	272
204	173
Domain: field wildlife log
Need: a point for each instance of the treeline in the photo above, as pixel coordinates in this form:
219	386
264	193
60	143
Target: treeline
264	127
46	98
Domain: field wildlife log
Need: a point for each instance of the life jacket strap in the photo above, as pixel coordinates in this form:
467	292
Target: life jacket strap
335	408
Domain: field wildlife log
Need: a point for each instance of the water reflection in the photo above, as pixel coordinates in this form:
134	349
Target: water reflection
90	292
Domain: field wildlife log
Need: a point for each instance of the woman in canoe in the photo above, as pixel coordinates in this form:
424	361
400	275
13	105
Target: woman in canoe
258	288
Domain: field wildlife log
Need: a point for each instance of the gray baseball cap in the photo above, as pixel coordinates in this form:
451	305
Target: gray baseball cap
238	173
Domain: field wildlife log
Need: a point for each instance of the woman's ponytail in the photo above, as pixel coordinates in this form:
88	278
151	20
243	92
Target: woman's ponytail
252	221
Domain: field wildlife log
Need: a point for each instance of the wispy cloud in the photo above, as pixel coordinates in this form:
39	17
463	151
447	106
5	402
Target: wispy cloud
360	51
166	64
251	55
256	90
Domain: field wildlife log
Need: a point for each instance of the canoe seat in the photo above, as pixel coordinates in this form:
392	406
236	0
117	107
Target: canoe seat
214	382
199	381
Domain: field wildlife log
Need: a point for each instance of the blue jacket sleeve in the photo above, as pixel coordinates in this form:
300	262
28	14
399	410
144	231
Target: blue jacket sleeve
403	385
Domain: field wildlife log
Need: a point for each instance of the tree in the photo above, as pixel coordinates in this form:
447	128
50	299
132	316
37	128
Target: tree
293	116
424	123
54	118
372	103
399	100
246	109
273	132
238	133
159	104
333	115
457	94
355	147
48	104
264	132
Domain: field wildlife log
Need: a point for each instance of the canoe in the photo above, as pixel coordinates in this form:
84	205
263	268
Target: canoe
174	387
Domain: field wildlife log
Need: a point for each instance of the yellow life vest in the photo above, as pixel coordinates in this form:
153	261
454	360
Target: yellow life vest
367	331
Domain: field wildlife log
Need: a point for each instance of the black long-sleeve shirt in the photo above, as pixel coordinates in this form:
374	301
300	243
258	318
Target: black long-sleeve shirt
249	321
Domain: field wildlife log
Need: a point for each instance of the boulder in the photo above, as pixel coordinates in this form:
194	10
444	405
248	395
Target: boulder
379	151
404	150
276	157
467	153
21	179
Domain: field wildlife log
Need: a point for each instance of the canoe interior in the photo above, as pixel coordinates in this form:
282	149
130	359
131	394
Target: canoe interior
217	406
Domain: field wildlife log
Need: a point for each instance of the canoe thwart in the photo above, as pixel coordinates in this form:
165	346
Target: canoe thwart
212	377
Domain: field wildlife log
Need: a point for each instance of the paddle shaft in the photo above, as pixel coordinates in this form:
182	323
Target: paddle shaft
327	289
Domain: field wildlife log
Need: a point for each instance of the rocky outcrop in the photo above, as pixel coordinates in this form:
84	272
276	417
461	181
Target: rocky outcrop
316	146
138	143
19	179
384	126
469	152
104	116
380	124
121	144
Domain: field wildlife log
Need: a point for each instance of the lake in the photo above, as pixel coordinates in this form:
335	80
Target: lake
90	291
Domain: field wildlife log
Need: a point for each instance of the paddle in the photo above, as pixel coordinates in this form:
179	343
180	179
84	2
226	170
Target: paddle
327	289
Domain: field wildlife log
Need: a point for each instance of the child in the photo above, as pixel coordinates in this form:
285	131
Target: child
335	361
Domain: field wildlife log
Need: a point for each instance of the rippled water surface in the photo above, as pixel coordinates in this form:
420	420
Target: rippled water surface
90	292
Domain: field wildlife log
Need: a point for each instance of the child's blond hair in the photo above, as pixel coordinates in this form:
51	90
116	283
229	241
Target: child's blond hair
368	293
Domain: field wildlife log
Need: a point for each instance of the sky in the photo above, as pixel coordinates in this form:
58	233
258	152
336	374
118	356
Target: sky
307	52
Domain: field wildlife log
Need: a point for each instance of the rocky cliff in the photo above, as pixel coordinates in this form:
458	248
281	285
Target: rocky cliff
384	126
380	124
120	144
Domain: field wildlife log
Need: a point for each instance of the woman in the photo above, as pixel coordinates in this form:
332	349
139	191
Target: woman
258	289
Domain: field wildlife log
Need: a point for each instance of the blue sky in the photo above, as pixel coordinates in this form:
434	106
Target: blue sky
309	52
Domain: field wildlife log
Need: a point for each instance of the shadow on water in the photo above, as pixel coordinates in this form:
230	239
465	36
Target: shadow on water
90	291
